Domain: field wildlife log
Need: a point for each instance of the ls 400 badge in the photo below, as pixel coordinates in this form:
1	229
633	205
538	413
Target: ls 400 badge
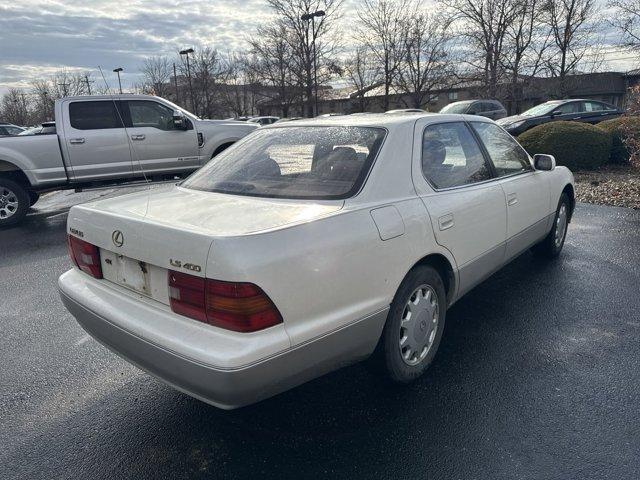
186	266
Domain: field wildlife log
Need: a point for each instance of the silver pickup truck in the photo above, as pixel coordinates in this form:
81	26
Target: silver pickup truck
107	140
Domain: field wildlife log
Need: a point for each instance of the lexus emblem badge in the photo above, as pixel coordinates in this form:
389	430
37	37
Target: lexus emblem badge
117	238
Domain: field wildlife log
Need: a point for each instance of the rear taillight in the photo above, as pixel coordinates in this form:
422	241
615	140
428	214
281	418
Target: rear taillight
242	307
85	256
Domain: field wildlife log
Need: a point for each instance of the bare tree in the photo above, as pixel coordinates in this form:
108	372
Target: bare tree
627	21
157	73
381	30
526	43
427	61
485	24
573	26
15	107
363	73
272	58
209	70
314	44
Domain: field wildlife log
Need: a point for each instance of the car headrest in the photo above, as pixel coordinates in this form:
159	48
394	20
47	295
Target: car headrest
433	153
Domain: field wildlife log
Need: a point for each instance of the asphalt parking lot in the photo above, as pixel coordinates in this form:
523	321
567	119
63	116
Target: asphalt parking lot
537	377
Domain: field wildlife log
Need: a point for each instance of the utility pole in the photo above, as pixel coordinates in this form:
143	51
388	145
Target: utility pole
64	86
187	52
175	81
88	82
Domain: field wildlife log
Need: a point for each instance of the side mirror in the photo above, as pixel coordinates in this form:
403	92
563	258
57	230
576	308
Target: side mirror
471	112
542	161
179	120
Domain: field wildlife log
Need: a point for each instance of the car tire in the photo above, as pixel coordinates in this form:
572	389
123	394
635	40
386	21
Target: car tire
552	244
410	339
33	197
14	202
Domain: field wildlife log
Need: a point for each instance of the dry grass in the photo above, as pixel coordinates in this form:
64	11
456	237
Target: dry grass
611	185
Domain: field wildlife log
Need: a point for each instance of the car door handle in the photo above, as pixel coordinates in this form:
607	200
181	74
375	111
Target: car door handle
446	221
512	199
76	141
137	137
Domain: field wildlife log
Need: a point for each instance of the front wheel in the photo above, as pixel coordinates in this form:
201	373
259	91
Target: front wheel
552	244
14	202
414	325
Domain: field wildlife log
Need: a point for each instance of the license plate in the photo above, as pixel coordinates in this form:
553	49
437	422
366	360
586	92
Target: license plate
131	273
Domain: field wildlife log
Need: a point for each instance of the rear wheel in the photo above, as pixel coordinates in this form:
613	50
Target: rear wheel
414	325
552	245
14	202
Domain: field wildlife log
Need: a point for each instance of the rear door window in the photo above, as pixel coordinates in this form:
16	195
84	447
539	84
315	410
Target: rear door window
96	115
451	156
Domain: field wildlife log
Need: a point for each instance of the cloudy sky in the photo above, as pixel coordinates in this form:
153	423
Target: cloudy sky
38	37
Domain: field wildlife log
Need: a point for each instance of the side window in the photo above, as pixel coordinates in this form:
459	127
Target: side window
94	115
507	155
451	156
573	107
486	107
145	113
594	107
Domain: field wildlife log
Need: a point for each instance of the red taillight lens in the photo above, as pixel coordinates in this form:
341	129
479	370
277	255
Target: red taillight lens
186	295
242	307
85	256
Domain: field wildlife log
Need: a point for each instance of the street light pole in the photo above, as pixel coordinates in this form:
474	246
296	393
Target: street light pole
118	70
187	52
306	17
175	82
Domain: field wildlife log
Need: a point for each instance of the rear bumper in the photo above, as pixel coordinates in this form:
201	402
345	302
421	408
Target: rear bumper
228	387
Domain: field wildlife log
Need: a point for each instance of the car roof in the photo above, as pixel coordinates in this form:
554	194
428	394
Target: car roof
377	120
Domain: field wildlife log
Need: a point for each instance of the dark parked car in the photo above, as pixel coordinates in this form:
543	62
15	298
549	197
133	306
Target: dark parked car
576	110
492	109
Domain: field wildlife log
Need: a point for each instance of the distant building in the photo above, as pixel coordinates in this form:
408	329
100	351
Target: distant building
610	87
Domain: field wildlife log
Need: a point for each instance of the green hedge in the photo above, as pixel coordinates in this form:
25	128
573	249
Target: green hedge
579	146
619	128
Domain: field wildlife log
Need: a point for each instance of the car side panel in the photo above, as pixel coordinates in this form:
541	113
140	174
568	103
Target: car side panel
326	274
38	156
527	199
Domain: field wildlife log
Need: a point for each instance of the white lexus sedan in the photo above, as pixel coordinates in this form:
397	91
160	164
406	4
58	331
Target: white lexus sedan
308	246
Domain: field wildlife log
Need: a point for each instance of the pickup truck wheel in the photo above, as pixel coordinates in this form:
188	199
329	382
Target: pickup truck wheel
414	325
33	197
552	245
14	202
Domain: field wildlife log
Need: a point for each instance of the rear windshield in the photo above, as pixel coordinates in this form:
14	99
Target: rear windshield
293	162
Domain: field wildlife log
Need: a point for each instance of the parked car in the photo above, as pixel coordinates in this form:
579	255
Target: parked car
8	129
46	128
308	246
263	120
576	110
492	109
102	139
